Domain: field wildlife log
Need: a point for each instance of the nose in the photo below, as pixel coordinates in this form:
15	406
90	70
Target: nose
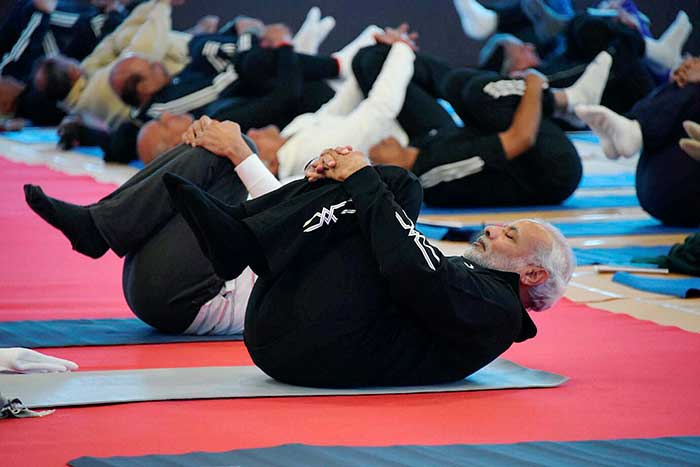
493	231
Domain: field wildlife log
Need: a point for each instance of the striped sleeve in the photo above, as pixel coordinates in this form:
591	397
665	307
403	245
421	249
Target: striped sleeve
35	24
197	99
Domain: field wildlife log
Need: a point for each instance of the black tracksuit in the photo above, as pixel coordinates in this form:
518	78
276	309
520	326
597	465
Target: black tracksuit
230	78
356	296
466	166
73	29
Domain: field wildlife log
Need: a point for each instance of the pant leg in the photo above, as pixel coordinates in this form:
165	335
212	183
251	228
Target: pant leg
486	100
131	215
548	173
421	112
167	278
258	68
662	113
629	79
279	107
667	185
511	18
667	178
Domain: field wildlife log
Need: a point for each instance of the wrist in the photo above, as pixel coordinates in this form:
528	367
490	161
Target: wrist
238	153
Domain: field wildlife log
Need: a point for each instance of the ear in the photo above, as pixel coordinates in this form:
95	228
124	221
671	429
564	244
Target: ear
533	276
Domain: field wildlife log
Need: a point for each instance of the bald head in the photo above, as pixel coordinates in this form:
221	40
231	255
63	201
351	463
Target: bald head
136	79
158	136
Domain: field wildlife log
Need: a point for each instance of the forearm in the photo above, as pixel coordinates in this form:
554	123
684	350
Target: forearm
387	200
522	133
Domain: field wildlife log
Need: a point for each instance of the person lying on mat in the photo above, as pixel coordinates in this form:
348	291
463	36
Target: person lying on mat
586	36
340	302
509	150
667	173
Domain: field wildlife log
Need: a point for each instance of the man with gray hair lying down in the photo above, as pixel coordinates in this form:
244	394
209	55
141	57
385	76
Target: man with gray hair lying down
350	293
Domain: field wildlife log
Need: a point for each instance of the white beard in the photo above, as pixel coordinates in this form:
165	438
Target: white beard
492	260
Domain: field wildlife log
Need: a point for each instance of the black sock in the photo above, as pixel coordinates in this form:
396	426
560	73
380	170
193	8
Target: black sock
226	241
74	221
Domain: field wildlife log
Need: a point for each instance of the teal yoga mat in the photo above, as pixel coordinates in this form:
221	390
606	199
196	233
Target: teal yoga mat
682	288
113	387
91	332
657	452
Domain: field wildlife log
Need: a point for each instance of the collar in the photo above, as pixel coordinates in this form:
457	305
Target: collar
528	329
76	91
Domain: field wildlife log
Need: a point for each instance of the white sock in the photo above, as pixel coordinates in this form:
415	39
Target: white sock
478	22
619	136
305	39
588	89
313	32
666	51
347	53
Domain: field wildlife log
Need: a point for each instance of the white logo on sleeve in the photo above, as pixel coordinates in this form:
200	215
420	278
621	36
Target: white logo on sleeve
470	266
327	215
419	240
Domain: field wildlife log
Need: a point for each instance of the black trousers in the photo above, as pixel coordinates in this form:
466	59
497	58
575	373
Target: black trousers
512	20
587	36
667	178
270	92
420	113
166	277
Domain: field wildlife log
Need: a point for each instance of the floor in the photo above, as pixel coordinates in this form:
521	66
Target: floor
420	419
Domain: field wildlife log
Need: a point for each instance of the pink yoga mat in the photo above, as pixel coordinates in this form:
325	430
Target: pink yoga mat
40	276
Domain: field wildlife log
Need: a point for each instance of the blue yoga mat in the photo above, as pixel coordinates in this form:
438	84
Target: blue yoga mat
584	136
91	332
618	256
624	180
38	135
33	135
575	202
671	451
574	229
683	288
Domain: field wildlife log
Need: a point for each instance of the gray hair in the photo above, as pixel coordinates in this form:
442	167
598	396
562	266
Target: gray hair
559	262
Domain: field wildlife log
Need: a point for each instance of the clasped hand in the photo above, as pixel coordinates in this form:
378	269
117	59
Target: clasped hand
336	164
221	138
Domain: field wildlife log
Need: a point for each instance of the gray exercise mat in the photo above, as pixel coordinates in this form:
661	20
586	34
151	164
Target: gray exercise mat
112	387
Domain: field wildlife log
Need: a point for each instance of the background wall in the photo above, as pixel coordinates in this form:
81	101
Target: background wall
436	20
